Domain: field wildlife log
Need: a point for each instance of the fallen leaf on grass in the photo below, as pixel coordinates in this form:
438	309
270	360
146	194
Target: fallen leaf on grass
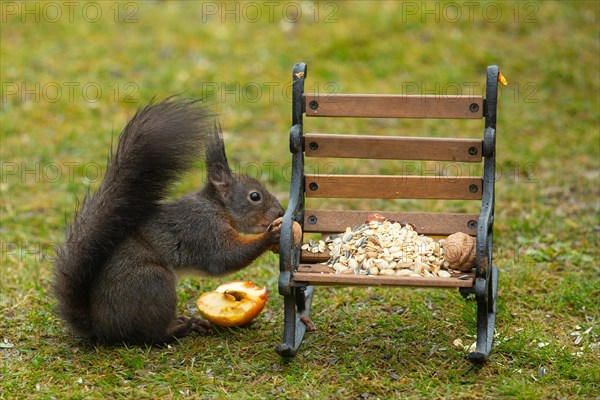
310	326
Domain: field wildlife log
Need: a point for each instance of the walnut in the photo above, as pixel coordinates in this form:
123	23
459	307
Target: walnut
459	251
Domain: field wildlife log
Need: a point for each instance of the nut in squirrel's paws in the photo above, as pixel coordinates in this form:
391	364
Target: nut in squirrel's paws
459	251
296	232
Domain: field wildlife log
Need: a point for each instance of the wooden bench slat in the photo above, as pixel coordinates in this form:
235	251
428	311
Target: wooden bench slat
393	187
392	147
319	274
426	223
314	258
393	106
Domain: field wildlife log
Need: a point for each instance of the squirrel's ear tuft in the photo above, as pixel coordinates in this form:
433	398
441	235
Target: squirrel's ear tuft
215	149
219	173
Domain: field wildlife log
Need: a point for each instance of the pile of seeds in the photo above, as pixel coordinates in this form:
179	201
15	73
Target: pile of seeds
383	248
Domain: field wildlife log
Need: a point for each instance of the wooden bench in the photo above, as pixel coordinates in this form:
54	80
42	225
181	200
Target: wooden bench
300	270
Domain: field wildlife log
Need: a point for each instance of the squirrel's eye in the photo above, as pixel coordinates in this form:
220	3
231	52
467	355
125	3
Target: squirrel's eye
254	196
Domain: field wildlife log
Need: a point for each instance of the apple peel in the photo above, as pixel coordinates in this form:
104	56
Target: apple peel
234	303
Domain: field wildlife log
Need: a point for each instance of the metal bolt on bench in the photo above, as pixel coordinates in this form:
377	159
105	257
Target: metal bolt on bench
300	272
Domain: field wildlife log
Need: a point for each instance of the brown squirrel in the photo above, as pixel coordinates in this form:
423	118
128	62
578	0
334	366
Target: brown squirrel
116	272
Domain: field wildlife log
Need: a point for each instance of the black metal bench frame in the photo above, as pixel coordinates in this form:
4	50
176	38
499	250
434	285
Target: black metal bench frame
296	283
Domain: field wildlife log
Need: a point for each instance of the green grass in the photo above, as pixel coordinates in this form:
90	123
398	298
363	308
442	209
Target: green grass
371	342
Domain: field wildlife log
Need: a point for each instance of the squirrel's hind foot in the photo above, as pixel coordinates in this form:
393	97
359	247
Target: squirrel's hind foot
184	326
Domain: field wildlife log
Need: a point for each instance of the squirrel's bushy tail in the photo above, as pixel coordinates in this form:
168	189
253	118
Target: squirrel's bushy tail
158	143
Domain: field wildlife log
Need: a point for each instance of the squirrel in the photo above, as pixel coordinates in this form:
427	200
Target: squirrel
115	274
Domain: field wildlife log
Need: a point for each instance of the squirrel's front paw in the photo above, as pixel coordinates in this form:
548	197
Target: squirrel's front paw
275	226
274	230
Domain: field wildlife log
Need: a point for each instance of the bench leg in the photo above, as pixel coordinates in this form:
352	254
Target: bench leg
296	305
486	320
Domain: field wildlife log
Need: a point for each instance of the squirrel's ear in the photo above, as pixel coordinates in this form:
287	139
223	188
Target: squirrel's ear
220	178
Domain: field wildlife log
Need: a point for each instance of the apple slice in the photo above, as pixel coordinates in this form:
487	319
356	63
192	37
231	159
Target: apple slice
233	304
